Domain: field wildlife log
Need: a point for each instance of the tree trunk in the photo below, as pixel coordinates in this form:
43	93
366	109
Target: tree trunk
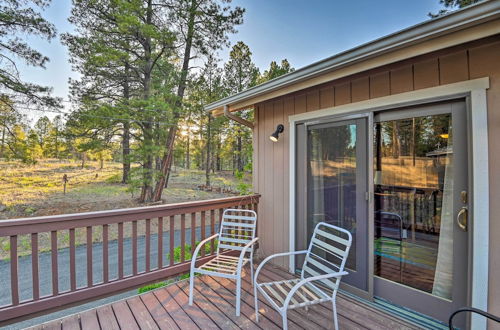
169	143
188	160
219	147
126	152
147	185
56	144
126	129
208	161
239	160
147	177
2	147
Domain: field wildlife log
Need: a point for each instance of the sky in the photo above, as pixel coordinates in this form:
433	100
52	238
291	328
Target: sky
302	31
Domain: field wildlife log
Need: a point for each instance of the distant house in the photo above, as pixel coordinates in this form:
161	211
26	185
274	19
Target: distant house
363	130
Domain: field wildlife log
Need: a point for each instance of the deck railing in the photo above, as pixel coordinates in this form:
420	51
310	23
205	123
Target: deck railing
151	235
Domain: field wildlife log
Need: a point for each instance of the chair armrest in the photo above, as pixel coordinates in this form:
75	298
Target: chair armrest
274	256
310	279
197	250
244	250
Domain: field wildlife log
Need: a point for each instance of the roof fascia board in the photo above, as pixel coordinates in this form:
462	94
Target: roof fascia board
459	20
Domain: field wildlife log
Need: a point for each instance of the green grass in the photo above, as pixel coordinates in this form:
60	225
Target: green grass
100	189
30	184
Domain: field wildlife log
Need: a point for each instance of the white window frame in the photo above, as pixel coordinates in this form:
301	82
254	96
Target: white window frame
478	112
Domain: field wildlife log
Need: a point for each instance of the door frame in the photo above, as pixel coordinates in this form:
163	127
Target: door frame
477	111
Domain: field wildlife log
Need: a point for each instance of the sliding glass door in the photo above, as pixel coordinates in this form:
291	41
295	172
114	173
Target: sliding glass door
417	215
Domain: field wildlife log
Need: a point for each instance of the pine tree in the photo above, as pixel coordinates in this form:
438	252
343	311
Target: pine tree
451	5
22	17
240	73
275	70
122	48
203	27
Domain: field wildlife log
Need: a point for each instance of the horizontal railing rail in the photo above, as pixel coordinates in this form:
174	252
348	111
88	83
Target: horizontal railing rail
135	247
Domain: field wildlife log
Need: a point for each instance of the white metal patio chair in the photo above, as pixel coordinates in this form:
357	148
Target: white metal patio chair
237	232
319	281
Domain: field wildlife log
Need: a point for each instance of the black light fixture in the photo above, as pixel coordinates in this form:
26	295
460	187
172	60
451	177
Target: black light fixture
275	136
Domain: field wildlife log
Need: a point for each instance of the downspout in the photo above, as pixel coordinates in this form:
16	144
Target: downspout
240	120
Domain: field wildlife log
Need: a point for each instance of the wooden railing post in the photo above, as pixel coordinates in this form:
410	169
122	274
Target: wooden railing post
34	266
72	259
134	247
55	271
90	281
14	286
105	258
160	242
183	237
148	245
171	239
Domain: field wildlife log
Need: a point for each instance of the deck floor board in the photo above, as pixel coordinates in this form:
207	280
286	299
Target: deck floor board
107	318
88	320
214	308
141	314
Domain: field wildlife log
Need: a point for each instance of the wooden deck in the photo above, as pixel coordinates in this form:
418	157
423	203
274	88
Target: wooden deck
214	308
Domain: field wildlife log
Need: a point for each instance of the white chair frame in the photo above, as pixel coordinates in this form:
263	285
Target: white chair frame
224	265
319	269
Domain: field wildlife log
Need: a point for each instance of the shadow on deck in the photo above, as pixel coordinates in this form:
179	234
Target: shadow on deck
214	308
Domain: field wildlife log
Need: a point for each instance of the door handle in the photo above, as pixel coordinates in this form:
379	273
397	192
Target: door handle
462	218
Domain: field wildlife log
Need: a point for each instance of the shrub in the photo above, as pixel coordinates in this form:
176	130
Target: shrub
177	258
154	286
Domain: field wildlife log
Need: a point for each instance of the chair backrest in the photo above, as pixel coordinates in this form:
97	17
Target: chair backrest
238	228
327	253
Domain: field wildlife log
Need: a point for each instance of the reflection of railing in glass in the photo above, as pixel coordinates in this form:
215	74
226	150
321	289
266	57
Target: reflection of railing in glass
413	156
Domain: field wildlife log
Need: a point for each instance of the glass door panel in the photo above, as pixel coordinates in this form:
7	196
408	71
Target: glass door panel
335	171
413	196
420	165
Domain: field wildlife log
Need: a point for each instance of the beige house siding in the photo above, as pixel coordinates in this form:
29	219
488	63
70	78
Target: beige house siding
271	168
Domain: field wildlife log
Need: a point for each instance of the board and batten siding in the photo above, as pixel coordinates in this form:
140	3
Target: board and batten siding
271	161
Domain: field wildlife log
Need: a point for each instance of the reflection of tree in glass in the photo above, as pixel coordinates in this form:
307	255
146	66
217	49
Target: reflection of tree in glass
335	142
415	136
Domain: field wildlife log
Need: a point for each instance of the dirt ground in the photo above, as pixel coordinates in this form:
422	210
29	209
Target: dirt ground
30	191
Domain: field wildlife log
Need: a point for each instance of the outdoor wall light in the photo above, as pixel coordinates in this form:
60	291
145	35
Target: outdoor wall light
275	136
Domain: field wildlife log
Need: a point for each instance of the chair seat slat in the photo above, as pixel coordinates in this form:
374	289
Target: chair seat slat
285	292
275	294
298	292
332	284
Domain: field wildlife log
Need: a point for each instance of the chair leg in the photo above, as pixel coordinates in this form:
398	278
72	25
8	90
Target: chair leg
191	288
285	320
335	321
256	302
238	295
251	269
